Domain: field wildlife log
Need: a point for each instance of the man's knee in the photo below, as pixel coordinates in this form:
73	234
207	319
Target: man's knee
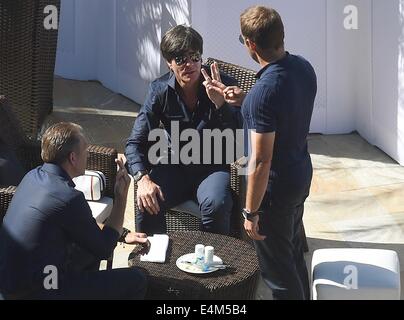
216	214
213	205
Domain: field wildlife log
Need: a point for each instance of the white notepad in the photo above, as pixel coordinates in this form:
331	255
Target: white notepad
158	249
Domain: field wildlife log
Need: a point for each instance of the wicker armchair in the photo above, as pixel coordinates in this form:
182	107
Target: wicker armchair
27	60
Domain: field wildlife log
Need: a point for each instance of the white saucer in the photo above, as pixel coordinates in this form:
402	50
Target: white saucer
192	268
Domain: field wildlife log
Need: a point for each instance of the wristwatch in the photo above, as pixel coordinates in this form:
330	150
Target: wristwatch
123	235
248	215
139	175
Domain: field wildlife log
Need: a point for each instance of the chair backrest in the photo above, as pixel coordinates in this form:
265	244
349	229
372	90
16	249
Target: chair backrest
245	77
11	132
27	60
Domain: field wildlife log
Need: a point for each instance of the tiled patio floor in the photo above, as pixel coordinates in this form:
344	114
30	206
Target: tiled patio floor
357	192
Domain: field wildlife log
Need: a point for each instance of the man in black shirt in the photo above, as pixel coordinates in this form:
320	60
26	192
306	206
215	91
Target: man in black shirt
277	113
278	109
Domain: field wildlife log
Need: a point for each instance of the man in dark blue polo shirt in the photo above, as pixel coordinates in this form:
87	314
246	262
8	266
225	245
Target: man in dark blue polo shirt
47	217
181	101
277	112
278	109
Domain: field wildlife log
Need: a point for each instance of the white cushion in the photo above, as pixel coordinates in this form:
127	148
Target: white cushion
190	207
101	209
355	274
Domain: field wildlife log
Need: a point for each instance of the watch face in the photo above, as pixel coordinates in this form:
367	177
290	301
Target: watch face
245	214
248	215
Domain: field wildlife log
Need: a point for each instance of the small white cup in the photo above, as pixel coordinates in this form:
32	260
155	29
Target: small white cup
199	251
209	252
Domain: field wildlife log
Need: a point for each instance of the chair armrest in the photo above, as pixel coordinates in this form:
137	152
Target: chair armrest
103	159
239	189
6	194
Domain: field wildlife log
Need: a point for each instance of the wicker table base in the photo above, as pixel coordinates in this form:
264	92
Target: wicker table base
237	282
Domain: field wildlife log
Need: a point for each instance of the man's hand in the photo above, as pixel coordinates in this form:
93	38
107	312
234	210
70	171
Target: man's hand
233	95
214	86
147	193
216	90
252	229
140	239
122	181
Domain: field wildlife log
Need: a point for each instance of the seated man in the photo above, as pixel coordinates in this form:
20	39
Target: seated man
182	101
47	217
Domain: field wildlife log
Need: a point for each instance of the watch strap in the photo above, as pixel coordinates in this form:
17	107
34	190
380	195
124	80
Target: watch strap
123	235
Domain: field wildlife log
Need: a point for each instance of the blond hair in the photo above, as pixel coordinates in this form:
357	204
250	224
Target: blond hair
263	26
59	140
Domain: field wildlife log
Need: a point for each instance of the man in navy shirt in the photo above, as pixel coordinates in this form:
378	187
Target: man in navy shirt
277	112
181	101
47	218
278	109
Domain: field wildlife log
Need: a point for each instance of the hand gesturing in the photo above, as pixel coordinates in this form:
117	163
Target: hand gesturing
220	93
214	86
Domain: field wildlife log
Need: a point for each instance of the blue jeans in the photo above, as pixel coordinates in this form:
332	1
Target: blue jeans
208	185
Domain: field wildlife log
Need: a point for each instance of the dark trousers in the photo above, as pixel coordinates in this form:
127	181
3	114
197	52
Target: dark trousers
281	255
208	185
83	281
115	284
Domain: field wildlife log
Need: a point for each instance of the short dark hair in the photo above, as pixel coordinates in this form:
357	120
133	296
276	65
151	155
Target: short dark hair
263	26
59	140
179	40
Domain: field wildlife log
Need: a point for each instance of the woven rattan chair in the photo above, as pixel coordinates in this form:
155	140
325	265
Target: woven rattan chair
27	60
29	153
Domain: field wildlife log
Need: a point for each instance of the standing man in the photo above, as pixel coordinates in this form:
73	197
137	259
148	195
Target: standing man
48	218
277	111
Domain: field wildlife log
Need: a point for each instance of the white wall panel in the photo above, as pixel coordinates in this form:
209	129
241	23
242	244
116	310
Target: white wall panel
305	34
388	76
348	66
76	57
116	41
363	81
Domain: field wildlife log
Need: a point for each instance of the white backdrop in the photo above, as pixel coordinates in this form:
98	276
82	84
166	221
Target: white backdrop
360	72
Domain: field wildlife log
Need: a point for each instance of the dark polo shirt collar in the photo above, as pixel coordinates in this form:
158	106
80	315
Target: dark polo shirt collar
260	73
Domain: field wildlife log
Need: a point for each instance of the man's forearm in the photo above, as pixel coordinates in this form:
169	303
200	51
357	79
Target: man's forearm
116	217
257	183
